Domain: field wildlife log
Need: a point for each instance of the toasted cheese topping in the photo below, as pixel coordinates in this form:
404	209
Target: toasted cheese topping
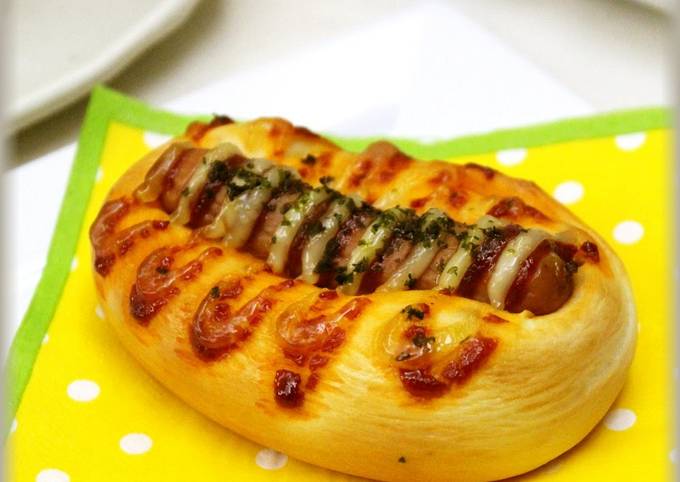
339	211
462	258
182	214
509	262
152	186
221	152
240	213
299	231
259	166
421	256
371	243
290	224
198	179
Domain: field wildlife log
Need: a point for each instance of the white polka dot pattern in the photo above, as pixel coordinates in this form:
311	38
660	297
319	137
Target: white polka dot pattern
83	390
630	142
673	455
136	443
99	311
45	339
628	232
52	475
100	174
569	192
74	264
620	419
511	157
14	426
270	459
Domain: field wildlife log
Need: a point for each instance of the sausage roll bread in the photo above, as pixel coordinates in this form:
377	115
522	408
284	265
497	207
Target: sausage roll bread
369	313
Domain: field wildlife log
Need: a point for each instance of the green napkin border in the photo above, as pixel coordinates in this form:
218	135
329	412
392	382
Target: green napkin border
107	106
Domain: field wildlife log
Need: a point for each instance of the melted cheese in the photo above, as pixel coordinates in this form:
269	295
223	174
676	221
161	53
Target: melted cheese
372	242
509	262
242	213
339	212
259	166
290	225
419	259
218	228
182	214
237	216
198	179
152	186
221	152
462	259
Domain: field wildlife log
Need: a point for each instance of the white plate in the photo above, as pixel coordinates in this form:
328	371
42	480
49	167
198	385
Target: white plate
665	6
59	49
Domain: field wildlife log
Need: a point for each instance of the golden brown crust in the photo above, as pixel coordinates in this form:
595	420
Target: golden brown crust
548	382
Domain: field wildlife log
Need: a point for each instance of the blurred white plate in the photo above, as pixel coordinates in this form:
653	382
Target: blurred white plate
665	6
60	48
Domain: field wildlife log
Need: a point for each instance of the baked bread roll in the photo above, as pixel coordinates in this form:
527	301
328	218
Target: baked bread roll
369	313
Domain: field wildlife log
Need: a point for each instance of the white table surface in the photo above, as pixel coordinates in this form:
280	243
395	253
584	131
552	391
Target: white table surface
390	62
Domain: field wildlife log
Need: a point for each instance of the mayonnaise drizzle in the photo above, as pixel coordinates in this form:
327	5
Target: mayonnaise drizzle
198	179
461	260
229	212
152	187
509	262
182	214
290	224
371	243
418	260
237	218
242	213
339	211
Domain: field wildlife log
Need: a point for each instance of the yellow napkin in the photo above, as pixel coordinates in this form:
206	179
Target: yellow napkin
90	413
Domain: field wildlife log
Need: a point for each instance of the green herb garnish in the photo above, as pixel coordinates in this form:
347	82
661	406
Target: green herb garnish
493	232
244	180
343	277
412	312
314	228
326	180
421	341
219	172
361	266
285	208
309	160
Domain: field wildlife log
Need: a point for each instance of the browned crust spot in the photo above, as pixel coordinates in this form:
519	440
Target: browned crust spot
196	130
